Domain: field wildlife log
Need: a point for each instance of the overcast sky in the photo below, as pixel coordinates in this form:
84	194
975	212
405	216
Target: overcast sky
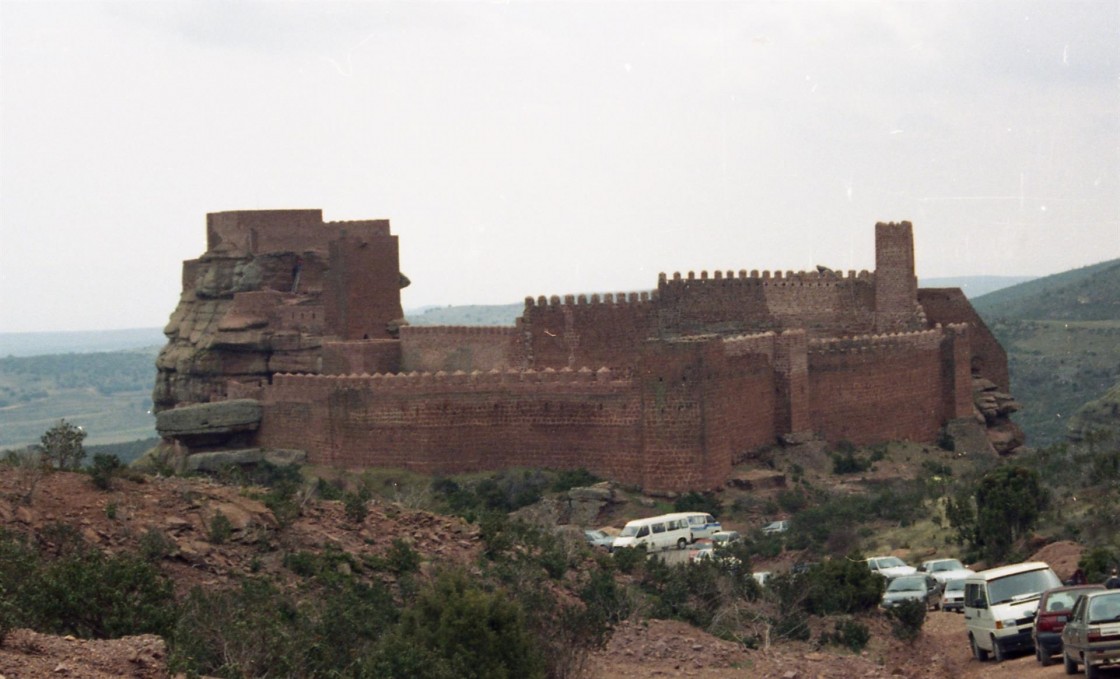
537	149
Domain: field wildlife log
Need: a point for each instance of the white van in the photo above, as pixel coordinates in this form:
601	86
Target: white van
656	532
700	525
999	607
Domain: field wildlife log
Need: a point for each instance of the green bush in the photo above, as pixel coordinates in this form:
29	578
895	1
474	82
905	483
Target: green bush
91	595
907	619
220	529
698	502
402	558
1097	563
356	505
104	468
572	478
847	633
844	585
849	463
474	633
628	559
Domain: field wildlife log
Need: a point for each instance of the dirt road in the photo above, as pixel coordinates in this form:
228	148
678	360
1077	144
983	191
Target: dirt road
947	631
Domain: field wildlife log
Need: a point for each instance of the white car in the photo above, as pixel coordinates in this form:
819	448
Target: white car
944	570
890	567
775	527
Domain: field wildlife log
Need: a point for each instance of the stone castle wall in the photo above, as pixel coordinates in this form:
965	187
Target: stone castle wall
665	389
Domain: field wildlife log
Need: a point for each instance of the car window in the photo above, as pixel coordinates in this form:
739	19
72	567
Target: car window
907	585
643	531
954	586
658	528
1105	608
1060	601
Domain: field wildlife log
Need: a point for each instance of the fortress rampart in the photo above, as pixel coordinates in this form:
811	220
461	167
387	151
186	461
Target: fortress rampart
665	389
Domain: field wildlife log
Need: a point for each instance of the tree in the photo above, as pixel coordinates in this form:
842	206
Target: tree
62	445
1009	501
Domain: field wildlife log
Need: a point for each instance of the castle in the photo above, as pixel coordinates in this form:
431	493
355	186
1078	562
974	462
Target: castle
289	336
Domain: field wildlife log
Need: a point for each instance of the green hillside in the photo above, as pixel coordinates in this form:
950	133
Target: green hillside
1062	336
109	394
1091	293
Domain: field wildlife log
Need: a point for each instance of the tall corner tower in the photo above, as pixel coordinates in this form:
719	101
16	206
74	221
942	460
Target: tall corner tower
896	286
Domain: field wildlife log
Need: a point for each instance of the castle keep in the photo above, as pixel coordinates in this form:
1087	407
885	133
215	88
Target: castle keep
289	336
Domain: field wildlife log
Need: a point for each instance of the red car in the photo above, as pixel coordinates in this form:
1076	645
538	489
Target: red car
1053	613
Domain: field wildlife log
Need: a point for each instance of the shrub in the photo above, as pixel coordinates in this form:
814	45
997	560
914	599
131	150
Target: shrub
844	585
627	559
220	528
357	505
572	478
88	594
475	633
62	445
848	633
697	502
907	619
1097	563
105	467
402	558
848	463
154	545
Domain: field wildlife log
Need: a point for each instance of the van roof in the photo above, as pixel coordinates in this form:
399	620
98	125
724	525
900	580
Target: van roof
1012	569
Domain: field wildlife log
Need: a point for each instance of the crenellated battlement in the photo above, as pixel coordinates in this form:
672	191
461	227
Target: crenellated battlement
565	380
919	339
756	277
442	330
595	299
759	343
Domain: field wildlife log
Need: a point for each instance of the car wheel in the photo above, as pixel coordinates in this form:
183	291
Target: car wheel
1071	666
682	543
1042	655
979	653
1091	671
997	651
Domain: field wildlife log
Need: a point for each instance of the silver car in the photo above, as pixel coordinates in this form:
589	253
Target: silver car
1091	636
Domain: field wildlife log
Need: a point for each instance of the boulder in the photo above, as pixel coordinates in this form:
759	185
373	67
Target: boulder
221	417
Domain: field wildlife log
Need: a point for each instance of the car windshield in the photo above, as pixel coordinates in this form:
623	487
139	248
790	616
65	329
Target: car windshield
946	565
889	562
907	585
954	586
1022	586
594	534
629	531
1105	608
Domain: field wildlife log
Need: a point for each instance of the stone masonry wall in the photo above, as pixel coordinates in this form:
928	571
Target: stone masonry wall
432	349
587	331
877	388
458	422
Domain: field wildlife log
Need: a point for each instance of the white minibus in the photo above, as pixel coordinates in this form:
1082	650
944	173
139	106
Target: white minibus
656	532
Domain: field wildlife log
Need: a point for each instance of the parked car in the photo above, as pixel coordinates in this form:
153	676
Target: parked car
890	566
598	538
945	570
952	597
1053	611
918	587
725	537
1000	604
775	527
1092	634
761	577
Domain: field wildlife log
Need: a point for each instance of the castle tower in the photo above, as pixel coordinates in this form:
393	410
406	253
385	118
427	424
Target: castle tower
896	286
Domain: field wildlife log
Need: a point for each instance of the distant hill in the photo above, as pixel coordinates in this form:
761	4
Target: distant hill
1062	337
473	314
78	342
975	286
1091	293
